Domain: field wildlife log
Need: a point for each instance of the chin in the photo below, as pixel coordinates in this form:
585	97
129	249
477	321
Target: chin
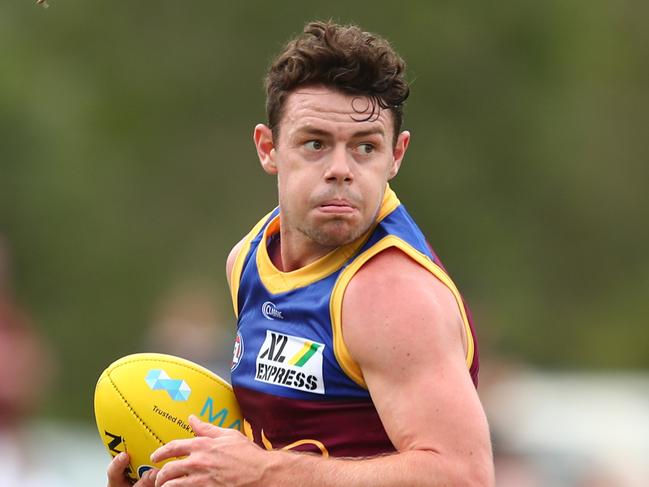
335	234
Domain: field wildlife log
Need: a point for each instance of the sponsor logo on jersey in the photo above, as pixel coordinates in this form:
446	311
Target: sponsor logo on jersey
177	389
270	311
292	362
237	353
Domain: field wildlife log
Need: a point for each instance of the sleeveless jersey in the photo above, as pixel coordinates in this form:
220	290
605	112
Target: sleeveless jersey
295	380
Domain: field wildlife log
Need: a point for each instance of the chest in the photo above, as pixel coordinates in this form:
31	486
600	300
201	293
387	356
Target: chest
285	343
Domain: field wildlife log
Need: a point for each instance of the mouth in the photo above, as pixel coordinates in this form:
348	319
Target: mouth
336	206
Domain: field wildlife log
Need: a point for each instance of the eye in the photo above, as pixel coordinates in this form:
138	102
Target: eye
366	148
314	145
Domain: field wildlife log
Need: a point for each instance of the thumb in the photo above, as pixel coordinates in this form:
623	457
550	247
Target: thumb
201	428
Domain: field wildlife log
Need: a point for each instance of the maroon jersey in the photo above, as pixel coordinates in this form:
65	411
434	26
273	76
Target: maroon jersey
296	382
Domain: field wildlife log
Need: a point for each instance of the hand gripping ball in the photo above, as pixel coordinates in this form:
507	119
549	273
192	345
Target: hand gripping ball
143	401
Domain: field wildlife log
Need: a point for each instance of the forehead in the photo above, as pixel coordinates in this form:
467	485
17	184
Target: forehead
330	110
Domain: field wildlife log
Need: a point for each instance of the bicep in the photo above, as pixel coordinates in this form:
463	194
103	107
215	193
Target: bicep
405	331
426	403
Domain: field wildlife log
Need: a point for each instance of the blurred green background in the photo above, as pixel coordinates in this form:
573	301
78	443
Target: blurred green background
127	164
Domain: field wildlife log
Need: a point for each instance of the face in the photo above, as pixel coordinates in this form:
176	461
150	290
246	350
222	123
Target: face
332	166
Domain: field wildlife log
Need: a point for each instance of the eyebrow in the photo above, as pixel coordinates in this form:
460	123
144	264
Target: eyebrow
312	131
372	131
324	133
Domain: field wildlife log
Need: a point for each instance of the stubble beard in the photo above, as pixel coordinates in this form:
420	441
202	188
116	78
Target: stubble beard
335	233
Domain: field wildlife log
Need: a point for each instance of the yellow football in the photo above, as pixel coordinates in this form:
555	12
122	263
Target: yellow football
143	401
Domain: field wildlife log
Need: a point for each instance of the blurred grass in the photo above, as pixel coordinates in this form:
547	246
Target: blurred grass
126	163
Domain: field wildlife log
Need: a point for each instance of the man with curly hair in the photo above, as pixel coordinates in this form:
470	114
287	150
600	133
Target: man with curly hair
355	361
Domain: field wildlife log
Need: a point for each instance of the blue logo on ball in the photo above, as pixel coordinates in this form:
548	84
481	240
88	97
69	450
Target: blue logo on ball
177	389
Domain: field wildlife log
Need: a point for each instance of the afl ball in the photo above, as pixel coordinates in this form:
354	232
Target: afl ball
143	401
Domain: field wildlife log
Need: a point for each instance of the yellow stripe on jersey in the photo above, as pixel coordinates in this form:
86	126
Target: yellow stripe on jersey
347	363
237	268
277	281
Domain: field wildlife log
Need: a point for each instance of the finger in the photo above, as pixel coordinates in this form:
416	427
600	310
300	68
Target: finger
201	428
181	482
173	449
173	470
148	479
115	471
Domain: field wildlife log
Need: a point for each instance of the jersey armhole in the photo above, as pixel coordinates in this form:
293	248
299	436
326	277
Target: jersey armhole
341	352
237	267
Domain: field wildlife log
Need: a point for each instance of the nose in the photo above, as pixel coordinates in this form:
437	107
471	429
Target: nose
339	168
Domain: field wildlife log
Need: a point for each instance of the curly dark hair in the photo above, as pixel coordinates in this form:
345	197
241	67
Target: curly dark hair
342	57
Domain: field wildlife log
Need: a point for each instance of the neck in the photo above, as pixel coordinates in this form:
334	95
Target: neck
290	252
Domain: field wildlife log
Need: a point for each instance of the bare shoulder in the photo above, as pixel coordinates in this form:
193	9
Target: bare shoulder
394	298
232	257
404	329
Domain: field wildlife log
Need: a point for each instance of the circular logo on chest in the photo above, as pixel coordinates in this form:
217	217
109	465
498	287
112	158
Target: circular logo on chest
237	353
270	311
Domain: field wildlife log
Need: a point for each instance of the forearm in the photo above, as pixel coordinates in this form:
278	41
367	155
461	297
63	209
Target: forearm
412	468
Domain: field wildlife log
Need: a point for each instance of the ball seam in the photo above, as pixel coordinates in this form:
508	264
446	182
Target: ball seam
133	411
187	366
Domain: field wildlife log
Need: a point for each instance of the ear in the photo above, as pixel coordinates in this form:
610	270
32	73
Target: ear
263	137
398	153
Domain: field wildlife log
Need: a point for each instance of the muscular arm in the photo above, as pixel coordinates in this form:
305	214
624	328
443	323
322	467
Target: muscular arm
404	329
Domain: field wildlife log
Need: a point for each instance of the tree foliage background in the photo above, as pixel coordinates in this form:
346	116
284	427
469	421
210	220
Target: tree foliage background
126	163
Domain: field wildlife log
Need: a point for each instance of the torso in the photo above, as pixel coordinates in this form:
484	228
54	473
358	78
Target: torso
294	378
